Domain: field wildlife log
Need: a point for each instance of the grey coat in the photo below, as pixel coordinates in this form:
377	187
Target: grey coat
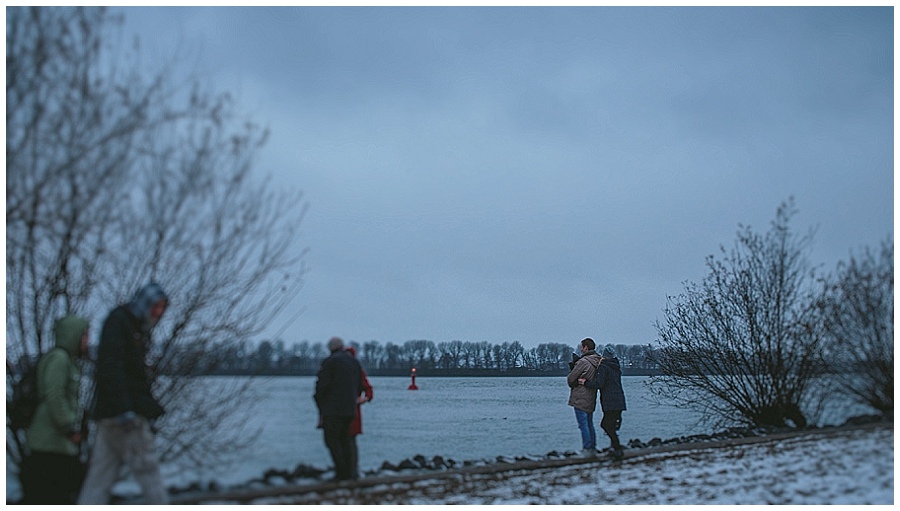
582	397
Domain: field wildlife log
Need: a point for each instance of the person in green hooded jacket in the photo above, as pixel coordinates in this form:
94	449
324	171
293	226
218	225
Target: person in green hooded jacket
52	472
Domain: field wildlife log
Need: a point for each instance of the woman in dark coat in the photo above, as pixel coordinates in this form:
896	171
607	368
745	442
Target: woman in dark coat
612	398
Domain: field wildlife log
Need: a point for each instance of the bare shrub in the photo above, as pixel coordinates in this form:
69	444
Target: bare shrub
744	344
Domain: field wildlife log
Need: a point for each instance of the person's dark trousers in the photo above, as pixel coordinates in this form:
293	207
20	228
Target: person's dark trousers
610	424
338	441
51	478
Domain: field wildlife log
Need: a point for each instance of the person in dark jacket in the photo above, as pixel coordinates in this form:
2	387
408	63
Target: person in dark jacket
124	406
52	472
338	384
612	398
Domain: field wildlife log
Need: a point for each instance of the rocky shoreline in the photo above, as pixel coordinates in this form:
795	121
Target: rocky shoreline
421	466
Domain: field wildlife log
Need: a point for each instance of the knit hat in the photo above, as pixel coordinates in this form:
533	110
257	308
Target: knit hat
608	351
144	299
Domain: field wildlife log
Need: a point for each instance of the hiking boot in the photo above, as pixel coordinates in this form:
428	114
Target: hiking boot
588	453
614	453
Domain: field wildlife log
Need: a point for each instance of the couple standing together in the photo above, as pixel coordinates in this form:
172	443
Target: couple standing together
591	373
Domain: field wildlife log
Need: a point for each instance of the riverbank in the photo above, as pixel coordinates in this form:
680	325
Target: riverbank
850	467
851	464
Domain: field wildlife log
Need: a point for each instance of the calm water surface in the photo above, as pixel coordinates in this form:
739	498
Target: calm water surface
459	418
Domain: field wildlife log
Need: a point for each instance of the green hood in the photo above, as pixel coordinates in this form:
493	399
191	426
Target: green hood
69	331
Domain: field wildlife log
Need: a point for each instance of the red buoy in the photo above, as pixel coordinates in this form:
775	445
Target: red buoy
412	386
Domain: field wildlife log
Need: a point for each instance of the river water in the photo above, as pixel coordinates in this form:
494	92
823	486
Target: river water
460	418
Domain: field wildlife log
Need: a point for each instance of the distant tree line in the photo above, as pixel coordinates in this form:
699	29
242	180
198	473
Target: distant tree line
429	358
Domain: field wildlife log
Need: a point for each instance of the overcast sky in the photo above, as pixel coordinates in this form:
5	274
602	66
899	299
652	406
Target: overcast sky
547	174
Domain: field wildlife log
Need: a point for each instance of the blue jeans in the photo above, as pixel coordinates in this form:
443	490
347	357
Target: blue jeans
586	425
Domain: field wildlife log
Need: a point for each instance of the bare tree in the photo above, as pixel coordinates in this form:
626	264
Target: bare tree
744	345
372	354
859	321
454	350
485	357
514	354
116	177
423	353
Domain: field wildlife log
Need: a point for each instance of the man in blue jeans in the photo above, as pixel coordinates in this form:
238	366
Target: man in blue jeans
582	398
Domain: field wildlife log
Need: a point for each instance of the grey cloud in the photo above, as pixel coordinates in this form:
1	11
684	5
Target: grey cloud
549	173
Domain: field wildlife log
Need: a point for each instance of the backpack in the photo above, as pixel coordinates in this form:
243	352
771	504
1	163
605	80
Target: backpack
25	399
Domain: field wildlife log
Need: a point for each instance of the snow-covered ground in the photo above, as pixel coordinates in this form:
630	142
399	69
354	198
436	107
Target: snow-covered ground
847	467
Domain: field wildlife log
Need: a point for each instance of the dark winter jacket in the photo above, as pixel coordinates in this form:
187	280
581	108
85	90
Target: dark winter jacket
57	417
123	381
339	383
609	382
